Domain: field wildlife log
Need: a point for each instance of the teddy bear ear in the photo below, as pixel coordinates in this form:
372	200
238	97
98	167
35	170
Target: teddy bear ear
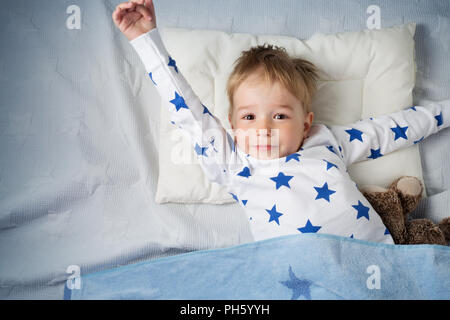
408	186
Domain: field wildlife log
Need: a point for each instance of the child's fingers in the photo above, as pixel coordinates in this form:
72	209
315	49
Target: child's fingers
125	5
117	15
137	2
149	4
152	6
144	11
121	9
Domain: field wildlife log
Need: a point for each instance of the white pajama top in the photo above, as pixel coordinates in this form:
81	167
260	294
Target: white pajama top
305	192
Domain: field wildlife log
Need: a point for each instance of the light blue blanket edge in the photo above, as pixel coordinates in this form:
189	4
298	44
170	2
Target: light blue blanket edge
402	276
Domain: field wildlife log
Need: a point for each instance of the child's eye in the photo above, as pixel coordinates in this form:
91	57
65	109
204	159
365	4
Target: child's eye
248	117
280	116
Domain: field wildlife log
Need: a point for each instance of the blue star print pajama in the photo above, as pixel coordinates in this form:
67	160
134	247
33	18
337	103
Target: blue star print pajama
305	192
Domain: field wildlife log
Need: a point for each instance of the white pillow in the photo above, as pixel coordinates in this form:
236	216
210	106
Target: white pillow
363	74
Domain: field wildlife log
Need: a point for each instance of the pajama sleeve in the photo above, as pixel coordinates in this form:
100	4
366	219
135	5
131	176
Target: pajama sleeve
213	146
374	137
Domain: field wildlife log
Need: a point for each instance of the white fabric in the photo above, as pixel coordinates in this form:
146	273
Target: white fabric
309	191
363	74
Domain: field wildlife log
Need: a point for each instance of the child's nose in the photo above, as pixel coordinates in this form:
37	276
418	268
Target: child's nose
264	127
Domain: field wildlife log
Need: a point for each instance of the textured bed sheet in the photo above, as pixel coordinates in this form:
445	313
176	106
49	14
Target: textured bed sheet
76	125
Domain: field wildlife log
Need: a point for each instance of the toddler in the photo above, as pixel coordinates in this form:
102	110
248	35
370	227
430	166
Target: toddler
289	175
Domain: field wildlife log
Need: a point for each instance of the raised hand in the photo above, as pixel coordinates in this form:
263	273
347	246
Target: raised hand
135	18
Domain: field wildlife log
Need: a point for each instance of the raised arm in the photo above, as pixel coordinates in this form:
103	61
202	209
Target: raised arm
212	144
374	137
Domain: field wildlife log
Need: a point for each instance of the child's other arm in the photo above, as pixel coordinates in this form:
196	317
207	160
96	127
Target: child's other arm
375	137
212	145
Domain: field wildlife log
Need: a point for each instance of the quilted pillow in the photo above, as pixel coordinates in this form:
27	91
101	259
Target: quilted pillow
362	74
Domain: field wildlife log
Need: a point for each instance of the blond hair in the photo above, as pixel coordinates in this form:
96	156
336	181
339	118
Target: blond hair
297	75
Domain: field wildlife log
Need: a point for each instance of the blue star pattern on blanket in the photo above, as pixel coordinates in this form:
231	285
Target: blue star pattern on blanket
299	287
308	191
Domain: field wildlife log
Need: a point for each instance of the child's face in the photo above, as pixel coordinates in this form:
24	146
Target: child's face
268	121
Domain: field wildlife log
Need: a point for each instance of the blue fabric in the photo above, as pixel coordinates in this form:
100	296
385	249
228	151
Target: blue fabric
312	266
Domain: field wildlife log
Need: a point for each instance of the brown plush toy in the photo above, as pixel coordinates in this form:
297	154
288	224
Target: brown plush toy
395	203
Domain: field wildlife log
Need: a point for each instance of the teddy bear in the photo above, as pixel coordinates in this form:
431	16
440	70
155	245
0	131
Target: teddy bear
395	203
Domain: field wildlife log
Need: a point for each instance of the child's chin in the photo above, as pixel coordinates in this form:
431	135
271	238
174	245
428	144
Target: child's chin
265	154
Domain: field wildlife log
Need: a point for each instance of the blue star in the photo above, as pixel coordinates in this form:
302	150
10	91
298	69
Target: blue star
340	150
324	192
355	134
330	165
417	141
205	110
212	140
309	228
293	156
151	77
363	211
299	287
274	215
245	172
400	132
439	119
282	180
173	64
179	102
234	196
375	153
200	150
331	149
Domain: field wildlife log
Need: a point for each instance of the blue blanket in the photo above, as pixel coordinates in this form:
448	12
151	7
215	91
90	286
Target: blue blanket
309	266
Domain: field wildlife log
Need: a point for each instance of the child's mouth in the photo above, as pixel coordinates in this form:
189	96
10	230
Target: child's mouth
264	147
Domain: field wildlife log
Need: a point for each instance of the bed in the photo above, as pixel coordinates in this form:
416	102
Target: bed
72	197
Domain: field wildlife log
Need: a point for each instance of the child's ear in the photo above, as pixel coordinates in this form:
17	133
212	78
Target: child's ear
308	122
